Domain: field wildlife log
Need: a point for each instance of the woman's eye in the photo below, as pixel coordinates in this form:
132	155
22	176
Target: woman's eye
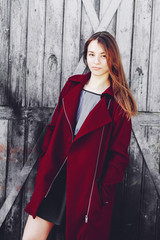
104	56
91	54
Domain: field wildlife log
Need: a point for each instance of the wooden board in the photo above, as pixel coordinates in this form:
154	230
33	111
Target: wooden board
3	158
35	52
4	49
154	66
33	131
71	38
53	52
140	55
104	4
18	41
124	29
15	163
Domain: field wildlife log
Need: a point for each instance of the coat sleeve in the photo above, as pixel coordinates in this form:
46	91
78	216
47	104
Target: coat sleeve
50	127
117	156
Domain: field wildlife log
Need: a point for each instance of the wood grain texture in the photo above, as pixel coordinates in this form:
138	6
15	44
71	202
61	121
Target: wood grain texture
3	158
140	136
33	132
91	13
111	27
154	66
133	192
108	14
4	49
71	38
15	163
53	52
140	56
35	52
87	27
148	212
20	178
23	113
124	26
17	70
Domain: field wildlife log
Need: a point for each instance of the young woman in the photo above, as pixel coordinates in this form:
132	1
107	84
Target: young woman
85	150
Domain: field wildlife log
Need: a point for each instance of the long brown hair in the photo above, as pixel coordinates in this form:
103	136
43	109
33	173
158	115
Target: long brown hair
122	93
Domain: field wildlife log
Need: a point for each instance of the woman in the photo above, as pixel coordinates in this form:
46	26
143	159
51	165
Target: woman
85	150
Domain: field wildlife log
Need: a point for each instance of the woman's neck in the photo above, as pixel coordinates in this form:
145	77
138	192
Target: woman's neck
97	84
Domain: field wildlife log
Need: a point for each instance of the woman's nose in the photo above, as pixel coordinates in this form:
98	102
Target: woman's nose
97	60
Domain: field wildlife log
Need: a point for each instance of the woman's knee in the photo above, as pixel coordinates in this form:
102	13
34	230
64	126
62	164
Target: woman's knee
37	229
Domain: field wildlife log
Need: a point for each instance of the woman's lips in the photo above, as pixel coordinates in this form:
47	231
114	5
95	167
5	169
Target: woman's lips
96	68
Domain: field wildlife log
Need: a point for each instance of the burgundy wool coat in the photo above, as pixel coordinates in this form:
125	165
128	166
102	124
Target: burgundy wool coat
96	159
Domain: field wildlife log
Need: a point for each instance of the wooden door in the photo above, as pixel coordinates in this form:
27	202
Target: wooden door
41	46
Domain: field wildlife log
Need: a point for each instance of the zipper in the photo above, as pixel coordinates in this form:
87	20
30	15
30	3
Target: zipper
109	103
66	157
94	177
55	177
68	119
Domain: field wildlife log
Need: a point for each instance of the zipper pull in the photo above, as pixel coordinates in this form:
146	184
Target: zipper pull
86	218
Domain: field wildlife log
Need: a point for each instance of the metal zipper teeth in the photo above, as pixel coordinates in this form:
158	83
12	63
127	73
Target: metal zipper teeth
66	157
68	120
109	103
55	177
89	203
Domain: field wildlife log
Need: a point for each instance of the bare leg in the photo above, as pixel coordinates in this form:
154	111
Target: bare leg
37	229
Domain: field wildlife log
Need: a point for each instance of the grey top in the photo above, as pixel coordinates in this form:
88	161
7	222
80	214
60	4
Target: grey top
87	102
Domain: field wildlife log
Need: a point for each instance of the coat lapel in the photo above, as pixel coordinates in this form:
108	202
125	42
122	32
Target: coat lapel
98	117
70	104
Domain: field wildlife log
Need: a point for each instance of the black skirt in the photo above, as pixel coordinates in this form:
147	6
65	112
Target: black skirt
53	207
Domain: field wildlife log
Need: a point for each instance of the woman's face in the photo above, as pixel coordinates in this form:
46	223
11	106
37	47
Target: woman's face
96	59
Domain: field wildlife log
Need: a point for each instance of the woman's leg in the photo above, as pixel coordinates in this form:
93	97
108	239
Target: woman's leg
37	229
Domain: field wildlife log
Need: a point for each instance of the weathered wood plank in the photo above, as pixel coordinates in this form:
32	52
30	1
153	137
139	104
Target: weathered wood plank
152	165
87	29
71	38
140	56
92	15
133	192
33	131
17	69
154	83
124	33
35	52
147	225
20	178
12	225
15	163
146	118
3	158
153	140
38	114
105	4
53	52
4	49
108	15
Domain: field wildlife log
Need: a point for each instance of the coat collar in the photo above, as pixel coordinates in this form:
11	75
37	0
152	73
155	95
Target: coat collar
85	77
98	117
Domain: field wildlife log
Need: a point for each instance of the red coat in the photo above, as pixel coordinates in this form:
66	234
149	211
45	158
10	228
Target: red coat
96	160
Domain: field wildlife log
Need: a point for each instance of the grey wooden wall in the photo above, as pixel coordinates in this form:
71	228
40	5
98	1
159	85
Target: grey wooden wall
41	44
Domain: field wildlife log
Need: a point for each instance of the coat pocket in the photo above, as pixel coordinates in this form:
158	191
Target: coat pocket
105	191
